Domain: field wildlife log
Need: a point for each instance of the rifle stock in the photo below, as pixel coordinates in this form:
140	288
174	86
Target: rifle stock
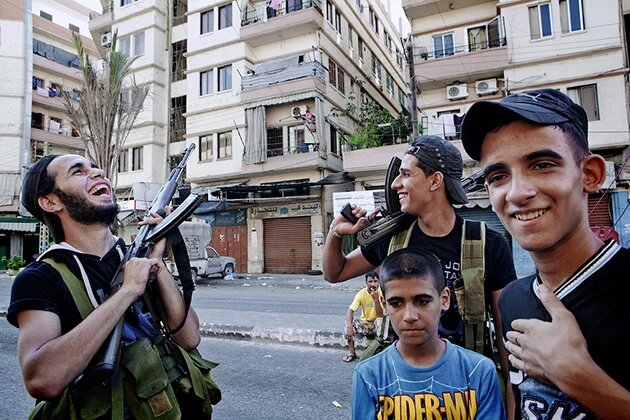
106	358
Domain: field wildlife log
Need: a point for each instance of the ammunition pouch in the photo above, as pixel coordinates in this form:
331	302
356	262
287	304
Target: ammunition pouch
156	379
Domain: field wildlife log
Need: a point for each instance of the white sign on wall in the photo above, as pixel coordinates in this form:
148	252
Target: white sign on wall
367	200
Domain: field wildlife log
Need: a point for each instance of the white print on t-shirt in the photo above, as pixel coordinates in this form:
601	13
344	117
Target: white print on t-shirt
451	271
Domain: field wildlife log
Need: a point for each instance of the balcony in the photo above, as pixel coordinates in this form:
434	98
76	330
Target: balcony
282	78
100	23
372	161
263	23
415	9
480	64
54	137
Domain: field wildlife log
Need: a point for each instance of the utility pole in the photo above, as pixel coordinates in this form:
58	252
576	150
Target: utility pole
412	86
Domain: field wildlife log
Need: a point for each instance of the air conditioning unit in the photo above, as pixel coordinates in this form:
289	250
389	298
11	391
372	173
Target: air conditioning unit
106	40
486	87
296	112
459	91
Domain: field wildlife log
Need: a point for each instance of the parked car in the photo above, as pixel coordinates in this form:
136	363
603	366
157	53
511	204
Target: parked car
210	263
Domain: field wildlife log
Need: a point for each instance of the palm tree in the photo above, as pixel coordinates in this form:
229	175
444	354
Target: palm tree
109	103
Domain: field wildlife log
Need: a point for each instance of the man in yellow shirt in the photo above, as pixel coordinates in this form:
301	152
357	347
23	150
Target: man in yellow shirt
369	300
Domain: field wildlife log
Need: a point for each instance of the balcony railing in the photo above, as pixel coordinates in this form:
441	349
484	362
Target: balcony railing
271	73
448	51
300	148
108	8
261	12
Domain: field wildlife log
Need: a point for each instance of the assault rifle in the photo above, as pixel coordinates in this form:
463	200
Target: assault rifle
393	220
106	358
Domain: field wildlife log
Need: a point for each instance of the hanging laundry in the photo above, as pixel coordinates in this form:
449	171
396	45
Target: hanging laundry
458	120
435	126
276	4
449	126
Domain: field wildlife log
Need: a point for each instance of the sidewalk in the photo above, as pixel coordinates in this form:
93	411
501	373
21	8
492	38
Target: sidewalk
290	298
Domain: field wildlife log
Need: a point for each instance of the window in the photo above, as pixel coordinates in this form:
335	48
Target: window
138	44
123	161
225	78
374	21
207	21
205	82
55	125
124	98
178	60
274	141
376	68
350	37
336	76
224	149
205	147
332	72
586	97
124	2
136	158
124	46
294	5
337	21
388	42
389	82
402	97
297	139
329	12
225	16
571	16
38	83
443	45
360	46
341	81
45	15
37	120
540	21
334	142
177	119
74	28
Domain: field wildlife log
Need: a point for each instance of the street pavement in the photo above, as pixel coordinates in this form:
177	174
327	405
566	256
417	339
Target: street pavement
286	308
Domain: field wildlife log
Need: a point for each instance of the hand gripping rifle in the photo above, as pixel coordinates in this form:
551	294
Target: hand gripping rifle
393	220
106	358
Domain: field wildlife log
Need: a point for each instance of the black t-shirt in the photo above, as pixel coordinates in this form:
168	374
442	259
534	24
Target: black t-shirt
41	287
499	270
597	295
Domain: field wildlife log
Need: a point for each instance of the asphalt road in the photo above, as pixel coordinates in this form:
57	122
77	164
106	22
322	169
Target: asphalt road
258	380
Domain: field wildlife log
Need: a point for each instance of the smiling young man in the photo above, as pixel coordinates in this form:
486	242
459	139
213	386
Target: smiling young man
567	325
422	375
56	342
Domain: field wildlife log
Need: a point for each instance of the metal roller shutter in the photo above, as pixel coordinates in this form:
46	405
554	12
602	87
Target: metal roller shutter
599	214
287	245
485	215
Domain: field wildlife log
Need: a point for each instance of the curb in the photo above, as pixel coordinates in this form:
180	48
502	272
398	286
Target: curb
282	335
279	335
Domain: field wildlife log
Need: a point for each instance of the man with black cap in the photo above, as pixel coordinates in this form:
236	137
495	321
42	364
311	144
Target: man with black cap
56	342
428	185
568	325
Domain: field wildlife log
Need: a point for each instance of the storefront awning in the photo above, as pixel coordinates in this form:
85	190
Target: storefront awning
18	224
210	206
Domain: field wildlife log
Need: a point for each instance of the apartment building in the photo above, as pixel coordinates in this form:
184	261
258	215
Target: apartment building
38	62
254	85
465	51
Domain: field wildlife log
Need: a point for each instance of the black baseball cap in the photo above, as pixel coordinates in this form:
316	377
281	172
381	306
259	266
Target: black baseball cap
541	106
441	155
36	184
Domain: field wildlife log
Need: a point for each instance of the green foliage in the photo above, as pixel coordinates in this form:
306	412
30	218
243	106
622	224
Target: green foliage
13	263
109	104
377	125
